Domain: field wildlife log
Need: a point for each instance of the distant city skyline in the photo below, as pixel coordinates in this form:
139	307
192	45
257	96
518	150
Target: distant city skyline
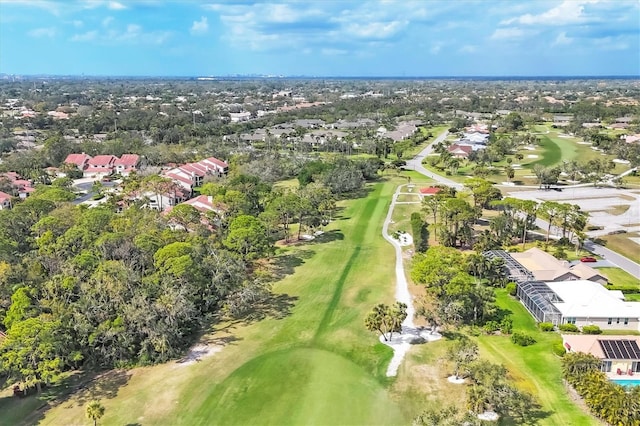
320	38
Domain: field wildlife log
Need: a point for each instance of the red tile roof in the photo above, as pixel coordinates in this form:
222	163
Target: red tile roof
77	159
4	196
103	160
128	160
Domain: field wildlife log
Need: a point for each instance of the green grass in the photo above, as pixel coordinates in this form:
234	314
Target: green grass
535	368
316	365
620	243
620	277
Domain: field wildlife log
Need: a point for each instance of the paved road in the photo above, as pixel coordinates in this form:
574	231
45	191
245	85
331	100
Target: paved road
617	259
416	163
622	262
86	187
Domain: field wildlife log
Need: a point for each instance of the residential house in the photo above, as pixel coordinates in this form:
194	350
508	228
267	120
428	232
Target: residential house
620	355
545	267
460	151
191	175
100	165
20	187
562	120
237	117
81	161
5	201
579	302
127	164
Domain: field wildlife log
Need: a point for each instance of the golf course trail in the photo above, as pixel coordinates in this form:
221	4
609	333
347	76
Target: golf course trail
401	342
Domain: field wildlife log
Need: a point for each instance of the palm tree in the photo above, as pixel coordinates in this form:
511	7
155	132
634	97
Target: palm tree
95	411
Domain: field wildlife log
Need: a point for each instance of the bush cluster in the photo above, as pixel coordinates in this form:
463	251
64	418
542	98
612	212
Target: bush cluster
522	339
572	328
591	329
545	326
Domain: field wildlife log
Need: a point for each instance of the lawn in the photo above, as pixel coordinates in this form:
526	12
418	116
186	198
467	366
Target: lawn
620	277
535	368
314	364
620	243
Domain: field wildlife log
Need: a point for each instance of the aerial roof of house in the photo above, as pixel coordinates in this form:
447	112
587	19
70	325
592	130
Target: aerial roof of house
204	203
609	347
588	299
4	196
466	149
128	160
103	160
585	272
77	159
542	265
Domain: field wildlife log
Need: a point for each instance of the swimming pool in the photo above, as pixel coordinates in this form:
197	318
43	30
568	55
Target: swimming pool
634	382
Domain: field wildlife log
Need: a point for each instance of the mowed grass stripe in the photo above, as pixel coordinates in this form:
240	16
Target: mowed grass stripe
535	368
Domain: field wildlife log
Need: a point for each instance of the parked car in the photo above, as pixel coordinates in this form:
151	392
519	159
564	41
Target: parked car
588	259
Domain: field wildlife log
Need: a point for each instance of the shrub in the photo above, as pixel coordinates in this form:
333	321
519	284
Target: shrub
591	329
568	327
558	349
506	325
522	339
512	288
545	326
491	327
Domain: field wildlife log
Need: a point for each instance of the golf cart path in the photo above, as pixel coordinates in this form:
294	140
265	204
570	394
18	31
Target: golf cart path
401	342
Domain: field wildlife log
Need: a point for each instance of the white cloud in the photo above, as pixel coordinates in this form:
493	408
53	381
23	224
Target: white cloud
200	27
436	48
562	40
568	12
376	30
132	34
77	23
507	33
114	5
48	32
468	48
88	36
107	21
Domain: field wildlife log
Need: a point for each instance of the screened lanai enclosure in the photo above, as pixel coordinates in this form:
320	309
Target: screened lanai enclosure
539	300
517	272
536	296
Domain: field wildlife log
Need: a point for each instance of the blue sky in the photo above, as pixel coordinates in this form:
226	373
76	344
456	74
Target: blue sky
320	38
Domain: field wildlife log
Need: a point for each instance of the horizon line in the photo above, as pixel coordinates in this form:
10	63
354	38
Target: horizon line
282	76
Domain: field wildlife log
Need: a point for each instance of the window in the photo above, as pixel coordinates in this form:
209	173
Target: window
617	320
571	320
605	367
610	320
626	321
635	366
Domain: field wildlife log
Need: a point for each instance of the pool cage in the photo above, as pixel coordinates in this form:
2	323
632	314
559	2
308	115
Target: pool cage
536	296
539	300
517	272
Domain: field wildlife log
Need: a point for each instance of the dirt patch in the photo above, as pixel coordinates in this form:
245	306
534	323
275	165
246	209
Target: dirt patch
197	353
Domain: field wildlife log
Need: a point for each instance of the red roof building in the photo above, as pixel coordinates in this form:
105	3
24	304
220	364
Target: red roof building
100	164
127	163
460	151
80	160
5	200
